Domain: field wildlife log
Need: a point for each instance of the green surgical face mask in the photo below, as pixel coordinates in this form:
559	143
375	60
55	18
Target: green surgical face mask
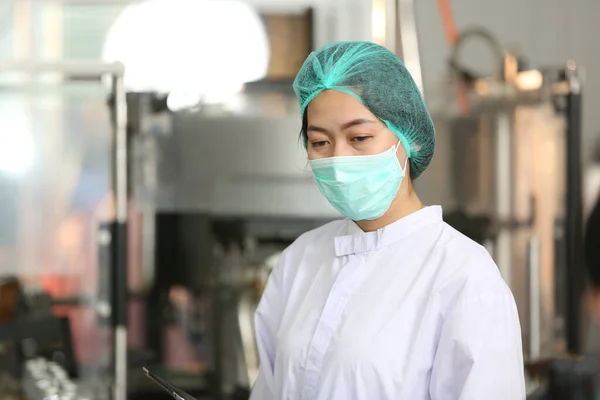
360	187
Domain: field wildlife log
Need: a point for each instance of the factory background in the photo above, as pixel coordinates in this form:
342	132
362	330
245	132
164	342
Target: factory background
151	173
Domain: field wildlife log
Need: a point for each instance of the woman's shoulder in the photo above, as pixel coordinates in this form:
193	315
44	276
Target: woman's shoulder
473	268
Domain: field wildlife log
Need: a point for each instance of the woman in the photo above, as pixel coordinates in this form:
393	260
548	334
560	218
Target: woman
390	303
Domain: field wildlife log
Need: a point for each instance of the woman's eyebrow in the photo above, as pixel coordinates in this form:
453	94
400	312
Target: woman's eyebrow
315	128
359	121
350	124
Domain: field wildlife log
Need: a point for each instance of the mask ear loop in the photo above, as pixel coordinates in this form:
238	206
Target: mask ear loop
405	164
405	160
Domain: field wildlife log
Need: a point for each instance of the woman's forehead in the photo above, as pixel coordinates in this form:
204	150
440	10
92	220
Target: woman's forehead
332	106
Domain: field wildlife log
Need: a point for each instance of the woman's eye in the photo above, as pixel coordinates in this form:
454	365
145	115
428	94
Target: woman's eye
360	138
319	144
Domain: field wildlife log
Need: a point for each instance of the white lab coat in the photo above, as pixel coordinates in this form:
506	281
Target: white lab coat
412	311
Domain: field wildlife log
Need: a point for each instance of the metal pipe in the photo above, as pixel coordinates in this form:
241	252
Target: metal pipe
392	32
93	70
409	41
120	127
399	33
503	192
534	299
574	212
120	266
246	309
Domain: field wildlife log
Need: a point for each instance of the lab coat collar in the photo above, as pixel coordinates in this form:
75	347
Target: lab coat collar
356	241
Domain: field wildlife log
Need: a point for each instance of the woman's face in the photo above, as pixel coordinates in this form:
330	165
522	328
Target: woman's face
338	125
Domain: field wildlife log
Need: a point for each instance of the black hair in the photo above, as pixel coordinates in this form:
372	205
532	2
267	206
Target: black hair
304	129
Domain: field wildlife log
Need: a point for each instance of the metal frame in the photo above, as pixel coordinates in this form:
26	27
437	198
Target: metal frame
574	211
94	71
409	41
401	35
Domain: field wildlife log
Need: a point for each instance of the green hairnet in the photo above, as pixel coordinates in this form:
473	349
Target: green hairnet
379	80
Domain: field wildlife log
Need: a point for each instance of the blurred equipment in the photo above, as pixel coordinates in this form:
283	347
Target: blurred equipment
44	380
10	291
564	379
9	387
84	71
216	203
32	330
217	209
512	159
510	162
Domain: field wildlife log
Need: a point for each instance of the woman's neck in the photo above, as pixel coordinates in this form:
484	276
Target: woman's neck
404	204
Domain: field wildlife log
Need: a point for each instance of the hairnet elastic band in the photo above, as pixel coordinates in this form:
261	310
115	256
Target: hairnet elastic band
400	136
318	92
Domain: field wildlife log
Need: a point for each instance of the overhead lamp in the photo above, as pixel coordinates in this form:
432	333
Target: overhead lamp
194	50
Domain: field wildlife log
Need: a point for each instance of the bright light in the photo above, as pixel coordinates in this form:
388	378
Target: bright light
529	80
378	22
177	101
16	144
217	93
201	47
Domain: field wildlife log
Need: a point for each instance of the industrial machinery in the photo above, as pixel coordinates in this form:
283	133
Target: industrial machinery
43	379
514	162
508	173
217	192
79	72
221	192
